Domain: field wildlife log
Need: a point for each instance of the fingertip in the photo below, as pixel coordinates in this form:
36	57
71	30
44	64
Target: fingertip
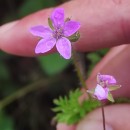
7	26
15	37
93	125
116	118
63	126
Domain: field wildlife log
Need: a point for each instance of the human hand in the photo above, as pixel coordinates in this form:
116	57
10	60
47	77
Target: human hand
103	24
115	63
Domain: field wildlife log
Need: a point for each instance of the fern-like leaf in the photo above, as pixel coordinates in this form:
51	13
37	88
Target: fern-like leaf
69	110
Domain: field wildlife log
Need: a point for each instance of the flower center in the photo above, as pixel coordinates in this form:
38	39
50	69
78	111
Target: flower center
58	33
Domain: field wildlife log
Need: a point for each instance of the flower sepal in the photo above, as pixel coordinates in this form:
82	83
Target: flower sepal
114	87
67	19
110	97
91	91
75	37
50	23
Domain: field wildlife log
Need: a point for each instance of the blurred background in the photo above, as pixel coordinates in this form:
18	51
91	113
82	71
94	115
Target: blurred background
29	85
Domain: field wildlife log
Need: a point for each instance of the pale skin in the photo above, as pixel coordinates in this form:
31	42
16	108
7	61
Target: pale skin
104	23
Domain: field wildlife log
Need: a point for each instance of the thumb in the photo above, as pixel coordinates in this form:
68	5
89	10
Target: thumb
116	118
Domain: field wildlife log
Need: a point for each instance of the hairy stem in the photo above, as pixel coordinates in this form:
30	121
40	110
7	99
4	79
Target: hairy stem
40	84
80	66
103	116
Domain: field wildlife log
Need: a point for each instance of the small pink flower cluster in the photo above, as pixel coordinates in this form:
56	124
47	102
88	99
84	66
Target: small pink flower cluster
105	84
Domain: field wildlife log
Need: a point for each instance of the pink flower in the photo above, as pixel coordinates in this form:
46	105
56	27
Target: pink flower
105	84
101	93
58	35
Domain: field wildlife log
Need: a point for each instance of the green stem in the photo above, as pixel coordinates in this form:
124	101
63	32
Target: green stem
25	90
80	66
103	116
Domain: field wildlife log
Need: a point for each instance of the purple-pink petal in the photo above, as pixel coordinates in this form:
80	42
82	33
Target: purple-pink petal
57	17
108	78
41	31
63	46
45	45
100	92
71	27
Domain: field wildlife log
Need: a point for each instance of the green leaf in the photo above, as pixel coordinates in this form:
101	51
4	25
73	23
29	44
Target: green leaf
110	97
6	123
70	111
114	87
94	58
53	63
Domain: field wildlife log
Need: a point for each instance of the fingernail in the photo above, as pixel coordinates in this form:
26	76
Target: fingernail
93	125
62	126
6	27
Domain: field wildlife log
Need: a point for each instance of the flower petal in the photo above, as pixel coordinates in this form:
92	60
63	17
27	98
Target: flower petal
100	92
63	46
57	17
107	78
71	27
41	31
45	45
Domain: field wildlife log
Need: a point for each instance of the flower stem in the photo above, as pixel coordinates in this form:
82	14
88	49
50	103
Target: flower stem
103	116
40	84
79	63
22	92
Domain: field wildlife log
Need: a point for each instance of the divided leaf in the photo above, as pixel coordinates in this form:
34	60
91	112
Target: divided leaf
70	111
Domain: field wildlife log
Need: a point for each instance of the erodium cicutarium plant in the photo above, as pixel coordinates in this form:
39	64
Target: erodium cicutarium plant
58	33
61	33
102	91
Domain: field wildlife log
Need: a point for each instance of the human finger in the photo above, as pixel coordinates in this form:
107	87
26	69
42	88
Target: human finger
63	126
116	118
97	29
115	63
